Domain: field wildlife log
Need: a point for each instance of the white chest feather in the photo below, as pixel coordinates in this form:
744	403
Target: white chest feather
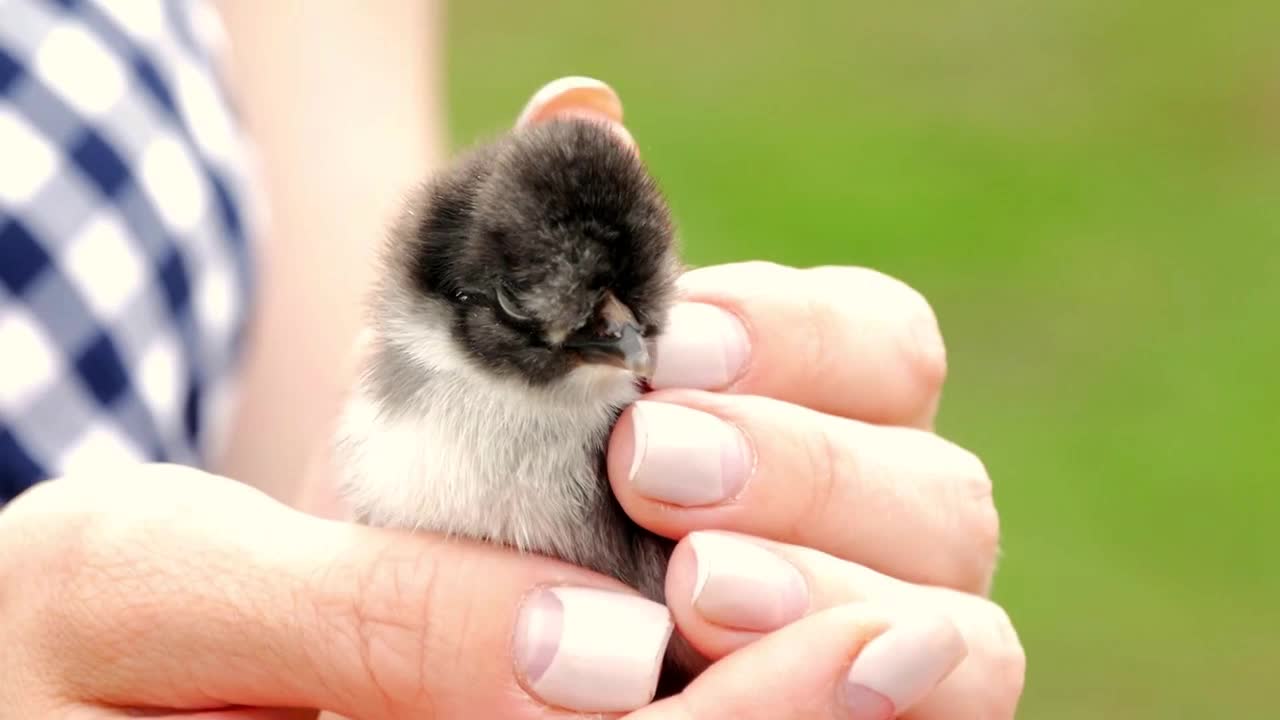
470	454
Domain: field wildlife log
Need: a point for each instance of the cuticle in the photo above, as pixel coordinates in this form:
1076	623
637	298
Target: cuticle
748	331
749	446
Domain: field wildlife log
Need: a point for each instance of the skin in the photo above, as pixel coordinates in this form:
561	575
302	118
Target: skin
105	580
329	193
374	624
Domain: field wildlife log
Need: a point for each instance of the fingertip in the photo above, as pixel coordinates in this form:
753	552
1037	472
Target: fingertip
794	667
683	584
895	670
624	453
572	93
578	97
250	714
726	591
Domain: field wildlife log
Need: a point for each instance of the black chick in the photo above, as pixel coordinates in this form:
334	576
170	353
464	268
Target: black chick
520	294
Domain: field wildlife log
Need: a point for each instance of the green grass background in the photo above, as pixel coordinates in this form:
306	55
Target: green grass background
1089	193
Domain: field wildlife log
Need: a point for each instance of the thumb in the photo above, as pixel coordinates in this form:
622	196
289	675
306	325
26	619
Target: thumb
852	661
236	714
192	592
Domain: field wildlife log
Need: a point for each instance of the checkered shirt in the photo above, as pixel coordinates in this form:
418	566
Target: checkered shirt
124	258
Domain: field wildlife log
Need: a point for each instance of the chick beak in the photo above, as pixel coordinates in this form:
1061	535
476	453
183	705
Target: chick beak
624	347
616	340
633	352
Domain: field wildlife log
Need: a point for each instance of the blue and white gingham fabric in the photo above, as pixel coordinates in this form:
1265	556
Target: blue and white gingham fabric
125	269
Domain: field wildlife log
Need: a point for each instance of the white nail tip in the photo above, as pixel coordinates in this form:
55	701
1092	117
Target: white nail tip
742	585
908	661
704	347
680	455
596	94
639	436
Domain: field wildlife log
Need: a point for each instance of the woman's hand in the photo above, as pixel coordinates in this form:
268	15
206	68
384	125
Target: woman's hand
809	435
796	407
163	589
810	427
789	443
160	591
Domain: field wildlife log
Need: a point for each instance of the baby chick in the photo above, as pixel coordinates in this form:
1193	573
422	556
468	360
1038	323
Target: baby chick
520	295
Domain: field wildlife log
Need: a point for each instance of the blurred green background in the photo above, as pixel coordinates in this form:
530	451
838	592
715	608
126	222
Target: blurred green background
1089	193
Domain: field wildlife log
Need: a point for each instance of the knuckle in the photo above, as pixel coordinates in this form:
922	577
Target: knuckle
829	470
821	298
762	267
390	625
843	277
987	540
997	661
924	348
921	341
911	319
747	275
986	519
1007	660
982	520
817	322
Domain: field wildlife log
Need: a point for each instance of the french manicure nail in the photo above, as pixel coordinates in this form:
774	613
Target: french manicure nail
899	667
572	92
703	348
744	586
591	650
686	457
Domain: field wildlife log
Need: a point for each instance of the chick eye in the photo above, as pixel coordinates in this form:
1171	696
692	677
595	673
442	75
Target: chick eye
509	307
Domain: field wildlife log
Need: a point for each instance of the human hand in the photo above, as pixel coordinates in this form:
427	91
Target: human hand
797	406
811	431
818	388
163	591
172	593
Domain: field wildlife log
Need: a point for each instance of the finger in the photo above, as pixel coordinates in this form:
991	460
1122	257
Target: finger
851	662
250	714
727	590
899	500
846	341
267	607
580	97
229	714
575	92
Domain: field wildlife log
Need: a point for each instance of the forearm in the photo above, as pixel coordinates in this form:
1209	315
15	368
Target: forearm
342	100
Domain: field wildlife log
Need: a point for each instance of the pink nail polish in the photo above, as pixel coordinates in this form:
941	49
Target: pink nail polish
899	667
686	457
745	586
864	703
591	650
703	348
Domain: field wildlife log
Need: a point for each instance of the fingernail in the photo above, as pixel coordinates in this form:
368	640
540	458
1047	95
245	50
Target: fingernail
591	650
703	348
744	586
686	457
575	92
899	667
